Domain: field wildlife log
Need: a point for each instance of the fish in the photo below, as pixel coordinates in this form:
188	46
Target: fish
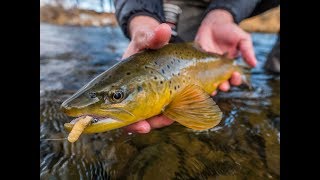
175	80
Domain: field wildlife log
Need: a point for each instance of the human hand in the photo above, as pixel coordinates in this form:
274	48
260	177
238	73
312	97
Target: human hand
219	34
146	32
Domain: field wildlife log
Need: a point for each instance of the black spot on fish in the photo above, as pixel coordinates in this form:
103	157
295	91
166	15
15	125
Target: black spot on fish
139	88
175	87
128	73
161	82
171	62
145	67
172	74
162	71
178	60
151	72
178	74
170	82
178	86
155	77
168	66
170	92
156	62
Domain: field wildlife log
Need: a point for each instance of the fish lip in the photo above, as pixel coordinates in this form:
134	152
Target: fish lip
96	119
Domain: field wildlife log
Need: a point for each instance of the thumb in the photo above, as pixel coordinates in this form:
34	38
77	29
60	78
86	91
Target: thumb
160	37
149	38
131	49
140	40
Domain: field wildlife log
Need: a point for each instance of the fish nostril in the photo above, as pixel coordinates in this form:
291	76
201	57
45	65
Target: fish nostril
64	107
92	95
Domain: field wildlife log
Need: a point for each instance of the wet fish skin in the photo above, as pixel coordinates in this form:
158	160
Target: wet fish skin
175	80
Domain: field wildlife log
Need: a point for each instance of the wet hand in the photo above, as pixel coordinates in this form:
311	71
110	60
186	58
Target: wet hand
146	126
219	34
146	33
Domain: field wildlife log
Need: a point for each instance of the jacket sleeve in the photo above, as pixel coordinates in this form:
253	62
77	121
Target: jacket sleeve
127	9
241	9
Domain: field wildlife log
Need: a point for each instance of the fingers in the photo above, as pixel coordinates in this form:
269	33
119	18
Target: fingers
214	93
149	38
145	126
131	49
140	40
235	79
246	49
159	121
160	37
138	127
225	86
205	43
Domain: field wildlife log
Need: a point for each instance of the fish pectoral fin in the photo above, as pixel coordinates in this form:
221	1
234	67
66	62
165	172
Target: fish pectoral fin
194	108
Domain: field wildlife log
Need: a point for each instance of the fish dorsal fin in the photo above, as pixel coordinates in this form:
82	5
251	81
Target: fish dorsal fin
194	108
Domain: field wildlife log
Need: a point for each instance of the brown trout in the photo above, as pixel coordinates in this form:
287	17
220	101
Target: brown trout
175	80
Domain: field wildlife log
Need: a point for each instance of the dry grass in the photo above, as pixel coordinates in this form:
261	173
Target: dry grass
268	22
78	17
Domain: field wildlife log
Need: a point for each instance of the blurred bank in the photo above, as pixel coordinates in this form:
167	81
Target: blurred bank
101	13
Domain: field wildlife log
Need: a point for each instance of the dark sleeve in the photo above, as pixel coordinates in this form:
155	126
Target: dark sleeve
264	6
127	9
241	9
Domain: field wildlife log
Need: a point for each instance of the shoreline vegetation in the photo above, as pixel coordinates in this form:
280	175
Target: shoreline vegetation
268	22
75	17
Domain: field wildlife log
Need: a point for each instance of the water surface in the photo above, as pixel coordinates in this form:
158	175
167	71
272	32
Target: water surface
245	145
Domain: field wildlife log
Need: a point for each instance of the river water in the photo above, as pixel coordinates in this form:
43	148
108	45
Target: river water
245	145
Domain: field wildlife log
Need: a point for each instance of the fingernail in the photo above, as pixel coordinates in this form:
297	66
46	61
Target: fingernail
143	129
214	93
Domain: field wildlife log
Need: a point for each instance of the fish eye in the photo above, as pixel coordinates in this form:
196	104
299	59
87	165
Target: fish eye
117	96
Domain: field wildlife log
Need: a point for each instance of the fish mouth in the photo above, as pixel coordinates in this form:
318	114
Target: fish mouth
96	119
97	124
